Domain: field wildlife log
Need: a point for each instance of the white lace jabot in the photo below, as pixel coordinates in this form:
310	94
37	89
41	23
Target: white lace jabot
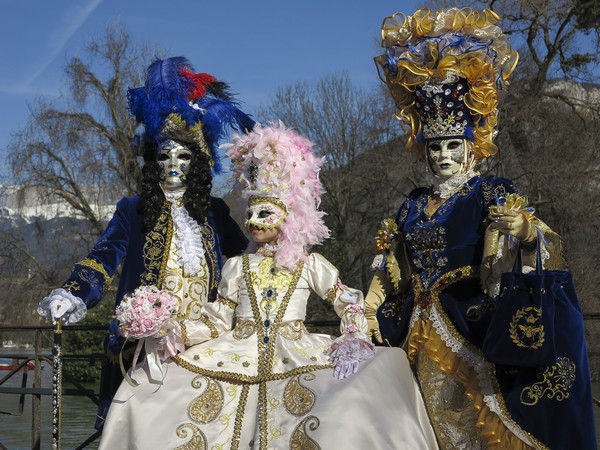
188	241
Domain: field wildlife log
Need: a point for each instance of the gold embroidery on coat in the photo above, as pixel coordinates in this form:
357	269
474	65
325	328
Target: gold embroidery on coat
555	382
300	439
299	399
71	286
98	267
153	252
526	329
207	406
210	247
198	440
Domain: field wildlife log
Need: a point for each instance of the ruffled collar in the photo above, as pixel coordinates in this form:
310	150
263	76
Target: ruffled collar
266	250
187	236
446	187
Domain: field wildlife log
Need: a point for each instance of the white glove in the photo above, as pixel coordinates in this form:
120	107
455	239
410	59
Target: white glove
62	305
346	353
344	367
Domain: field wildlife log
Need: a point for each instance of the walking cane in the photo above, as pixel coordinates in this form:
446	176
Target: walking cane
56	384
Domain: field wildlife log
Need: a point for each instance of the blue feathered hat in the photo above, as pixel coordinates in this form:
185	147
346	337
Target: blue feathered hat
177	103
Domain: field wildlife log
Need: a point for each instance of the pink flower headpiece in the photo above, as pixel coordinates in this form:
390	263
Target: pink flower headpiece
276	161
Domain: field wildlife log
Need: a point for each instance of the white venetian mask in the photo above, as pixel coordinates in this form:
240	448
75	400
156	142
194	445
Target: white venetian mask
265	213
446	157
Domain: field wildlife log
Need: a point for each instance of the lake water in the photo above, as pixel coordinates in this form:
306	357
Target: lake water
78	417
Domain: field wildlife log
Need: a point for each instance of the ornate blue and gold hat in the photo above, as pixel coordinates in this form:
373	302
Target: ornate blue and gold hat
178	103
445	69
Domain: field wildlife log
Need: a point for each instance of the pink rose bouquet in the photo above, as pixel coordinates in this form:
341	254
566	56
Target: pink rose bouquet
143	313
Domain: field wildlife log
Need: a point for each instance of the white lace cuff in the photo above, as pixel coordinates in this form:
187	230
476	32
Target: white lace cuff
79	309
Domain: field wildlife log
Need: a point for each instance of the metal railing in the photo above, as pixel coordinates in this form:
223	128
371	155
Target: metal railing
43	353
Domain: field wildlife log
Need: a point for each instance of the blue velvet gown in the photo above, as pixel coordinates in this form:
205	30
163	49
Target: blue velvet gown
471	402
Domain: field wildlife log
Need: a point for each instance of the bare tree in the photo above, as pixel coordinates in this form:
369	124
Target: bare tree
74	151
78	148
346	123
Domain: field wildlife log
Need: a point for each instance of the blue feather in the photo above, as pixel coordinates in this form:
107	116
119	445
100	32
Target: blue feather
166	91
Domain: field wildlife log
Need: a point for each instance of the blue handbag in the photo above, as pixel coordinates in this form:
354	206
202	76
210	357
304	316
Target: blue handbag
522	328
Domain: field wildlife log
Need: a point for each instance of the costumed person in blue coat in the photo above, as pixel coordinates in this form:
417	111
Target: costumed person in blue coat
444	253
174	235
251	375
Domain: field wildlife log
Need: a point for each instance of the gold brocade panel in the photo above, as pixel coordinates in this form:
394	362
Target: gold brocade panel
190	291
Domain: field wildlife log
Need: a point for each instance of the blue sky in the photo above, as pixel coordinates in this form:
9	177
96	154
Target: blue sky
256	46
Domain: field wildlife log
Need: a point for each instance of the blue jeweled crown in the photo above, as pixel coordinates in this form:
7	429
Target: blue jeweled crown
441	106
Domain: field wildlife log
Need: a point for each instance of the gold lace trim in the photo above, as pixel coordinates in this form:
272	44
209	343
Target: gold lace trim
211	326
250	379
424	336
227	302
239	416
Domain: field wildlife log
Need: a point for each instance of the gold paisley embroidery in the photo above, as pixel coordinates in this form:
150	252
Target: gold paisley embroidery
299	399
555	382
525	328
207	406
244	329
198	440
300	439
292	330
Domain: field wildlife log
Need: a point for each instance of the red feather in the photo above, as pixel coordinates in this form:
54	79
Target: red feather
199	80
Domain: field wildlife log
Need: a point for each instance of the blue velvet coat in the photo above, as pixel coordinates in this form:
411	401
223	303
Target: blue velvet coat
445	249
143	256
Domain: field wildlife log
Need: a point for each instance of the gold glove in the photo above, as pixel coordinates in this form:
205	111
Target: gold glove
375	297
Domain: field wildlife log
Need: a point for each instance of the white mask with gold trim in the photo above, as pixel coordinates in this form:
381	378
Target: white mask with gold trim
265	213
